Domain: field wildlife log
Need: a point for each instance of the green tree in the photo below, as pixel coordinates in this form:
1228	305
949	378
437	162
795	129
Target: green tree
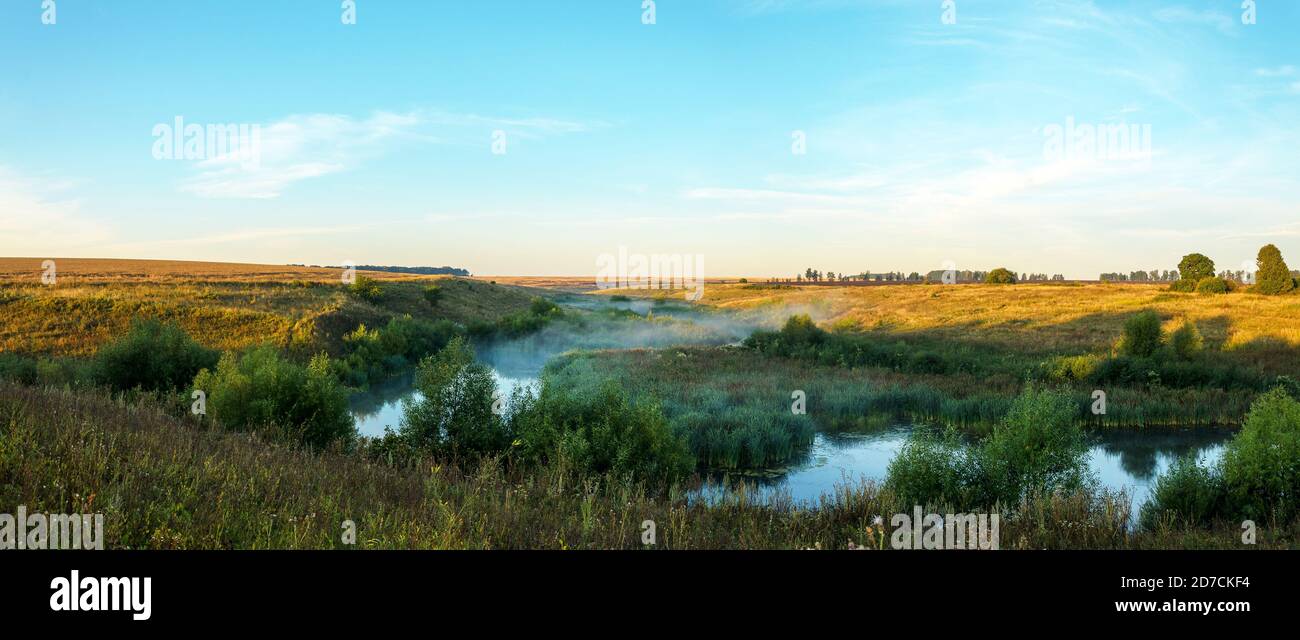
1195	267
1274	277
1000	276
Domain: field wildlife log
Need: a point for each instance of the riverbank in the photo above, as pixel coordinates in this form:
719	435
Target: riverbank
170	483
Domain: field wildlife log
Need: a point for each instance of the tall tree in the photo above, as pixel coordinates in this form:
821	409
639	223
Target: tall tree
1196	267
1274	277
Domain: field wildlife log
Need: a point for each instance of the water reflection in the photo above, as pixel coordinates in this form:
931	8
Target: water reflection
1120	459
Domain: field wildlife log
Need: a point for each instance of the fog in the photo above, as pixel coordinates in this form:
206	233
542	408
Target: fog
658	325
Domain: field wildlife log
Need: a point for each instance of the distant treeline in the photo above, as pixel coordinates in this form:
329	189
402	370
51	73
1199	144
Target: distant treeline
814	275
424	271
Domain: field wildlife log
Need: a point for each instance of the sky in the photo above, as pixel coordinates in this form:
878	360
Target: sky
764	136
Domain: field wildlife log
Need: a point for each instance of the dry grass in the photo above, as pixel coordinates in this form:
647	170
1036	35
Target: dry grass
108	270
224	306
1038	319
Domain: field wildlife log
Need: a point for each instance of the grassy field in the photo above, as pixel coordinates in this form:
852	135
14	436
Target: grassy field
1032	318
223	306
957	354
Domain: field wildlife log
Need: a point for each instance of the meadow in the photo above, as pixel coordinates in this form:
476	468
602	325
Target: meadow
95	374
956	354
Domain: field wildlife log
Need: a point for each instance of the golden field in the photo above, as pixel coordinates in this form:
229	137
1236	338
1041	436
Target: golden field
224	306
1031	318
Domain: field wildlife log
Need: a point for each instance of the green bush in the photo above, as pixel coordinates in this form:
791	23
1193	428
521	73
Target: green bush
151	356
540	313
1036	449
1073	368
366	288
17	368
374	354
1212	285
260	390
602	432
1142	335
1261	465
454	414
1257	479
1183	286
433	294
1188	493
1000	276
933	469
1186	341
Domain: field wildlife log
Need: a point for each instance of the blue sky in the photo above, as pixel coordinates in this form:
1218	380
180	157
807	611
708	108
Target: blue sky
925	141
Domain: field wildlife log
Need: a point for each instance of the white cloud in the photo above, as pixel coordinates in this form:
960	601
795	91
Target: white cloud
1208	18
35	221
1283	71
303	147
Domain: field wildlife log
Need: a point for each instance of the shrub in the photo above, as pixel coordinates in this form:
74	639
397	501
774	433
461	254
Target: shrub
933	469
1186	341
1067	368
1038	448
1000	276
1188	492
1183	286
454	413
1195	267
151	356
1257	478
262	391
602	432
1261	465
543	307
1142	335
1273	277
1212	285
17	368
366	288
374	354
801	330
433	294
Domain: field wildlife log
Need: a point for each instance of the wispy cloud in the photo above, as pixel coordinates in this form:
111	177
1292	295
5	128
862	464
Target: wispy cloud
1284	71
36	220
302	147
1221	21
